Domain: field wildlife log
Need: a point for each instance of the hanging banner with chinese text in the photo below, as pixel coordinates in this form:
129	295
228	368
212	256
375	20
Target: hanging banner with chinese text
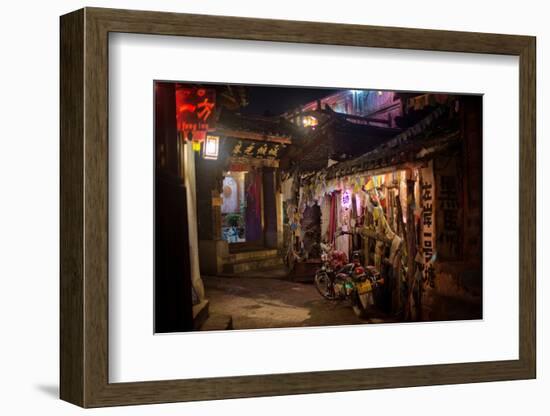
427	200
449	210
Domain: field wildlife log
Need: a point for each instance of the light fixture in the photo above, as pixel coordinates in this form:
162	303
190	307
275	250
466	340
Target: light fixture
211	147
309	121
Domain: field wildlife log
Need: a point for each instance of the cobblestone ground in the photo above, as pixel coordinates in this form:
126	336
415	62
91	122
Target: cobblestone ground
255	302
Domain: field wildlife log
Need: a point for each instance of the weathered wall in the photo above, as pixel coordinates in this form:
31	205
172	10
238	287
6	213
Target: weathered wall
457	289
473	167
173	289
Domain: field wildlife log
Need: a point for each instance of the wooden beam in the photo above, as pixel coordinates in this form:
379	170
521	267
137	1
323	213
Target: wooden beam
239	134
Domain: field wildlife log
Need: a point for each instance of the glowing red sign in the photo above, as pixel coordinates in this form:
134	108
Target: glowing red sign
194	111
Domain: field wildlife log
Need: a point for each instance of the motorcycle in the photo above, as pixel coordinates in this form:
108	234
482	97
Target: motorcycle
352	281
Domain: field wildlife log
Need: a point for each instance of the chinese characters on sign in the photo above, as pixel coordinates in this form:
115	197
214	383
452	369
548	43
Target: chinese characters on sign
194	112
260	150
448	203
428	220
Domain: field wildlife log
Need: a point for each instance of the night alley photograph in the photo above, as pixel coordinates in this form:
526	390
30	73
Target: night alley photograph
281	207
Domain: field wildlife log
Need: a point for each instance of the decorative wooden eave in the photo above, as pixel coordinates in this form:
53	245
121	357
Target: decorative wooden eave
255	128
334	136
413	156
249	135
410	148
357	119
403	149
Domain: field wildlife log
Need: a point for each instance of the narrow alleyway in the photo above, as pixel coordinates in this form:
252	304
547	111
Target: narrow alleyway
255	302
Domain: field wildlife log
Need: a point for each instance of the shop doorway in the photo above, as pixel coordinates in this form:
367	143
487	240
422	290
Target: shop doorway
233	208
241	209
251	209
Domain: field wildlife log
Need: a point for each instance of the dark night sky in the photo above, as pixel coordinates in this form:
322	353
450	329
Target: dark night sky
277	100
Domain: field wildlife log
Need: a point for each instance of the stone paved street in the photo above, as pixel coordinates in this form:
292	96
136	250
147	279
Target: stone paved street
255	302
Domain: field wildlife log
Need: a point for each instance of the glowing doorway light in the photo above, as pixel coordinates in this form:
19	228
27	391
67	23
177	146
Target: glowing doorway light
211	147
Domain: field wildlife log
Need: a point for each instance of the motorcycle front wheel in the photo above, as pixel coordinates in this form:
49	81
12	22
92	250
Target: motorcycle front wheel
324	286
358	308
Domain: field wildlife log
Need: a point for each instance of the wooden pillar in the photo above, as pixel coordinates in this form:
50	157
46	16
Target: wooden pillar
279	209
212	249
397	289
411	248
269	189
216	204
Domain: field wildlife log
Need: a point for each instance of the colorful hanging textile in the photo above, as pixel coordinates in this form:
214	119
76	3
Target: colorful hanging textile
342	242
325	218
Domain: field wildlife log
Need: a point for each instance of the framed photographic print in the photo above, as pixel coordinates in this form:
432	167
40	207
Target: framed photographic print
256	207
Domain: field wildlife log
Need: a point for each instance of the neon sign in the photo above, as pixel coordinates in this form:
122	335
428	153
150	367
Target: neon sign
194	113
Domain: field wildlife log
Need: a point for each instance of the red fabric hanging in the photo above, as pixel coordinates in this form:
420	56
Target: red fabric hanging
254	192
254	206
332	220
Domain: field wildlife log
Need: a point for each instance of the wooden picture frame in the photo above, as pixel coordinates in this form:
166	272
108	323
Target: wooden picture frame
84	207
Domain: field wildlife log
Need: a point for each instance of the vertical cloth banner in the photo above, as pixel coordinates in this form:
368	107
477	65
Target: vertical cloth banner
342	243
427	199
325	218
